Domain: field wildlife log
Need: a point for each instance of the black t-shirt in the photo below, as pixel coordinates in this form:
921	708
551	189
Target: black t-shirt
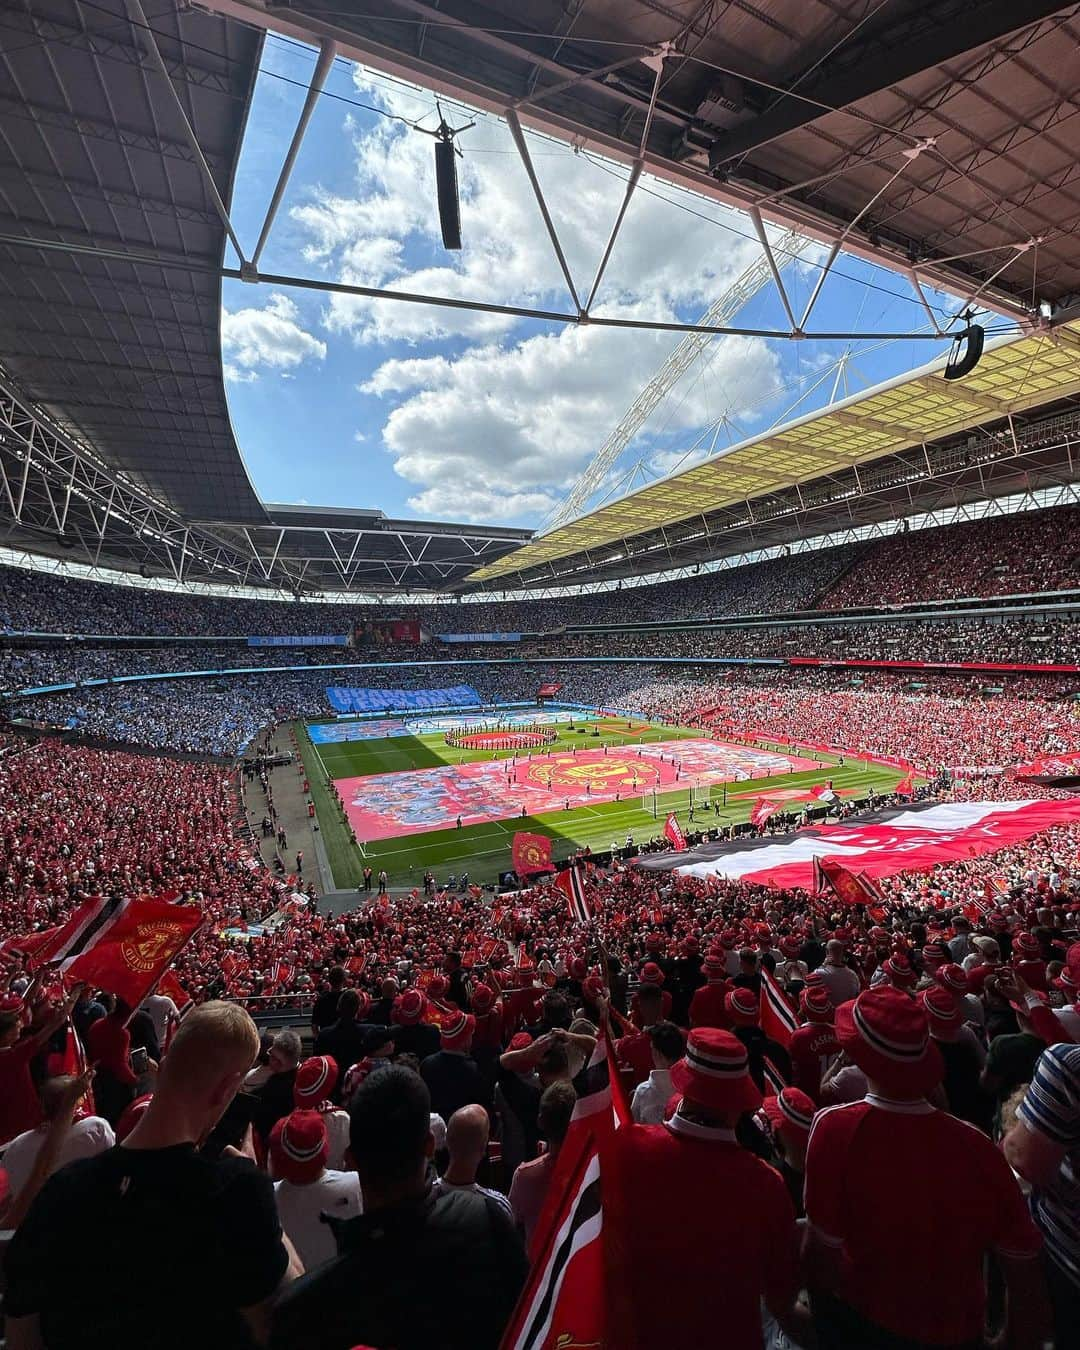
156	1247
454	1081
325	1010
441	1272
346	1040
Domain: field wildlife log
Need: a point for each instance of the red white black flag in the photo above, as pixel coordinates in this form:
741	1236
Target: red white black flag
564	1300
572	885
875	844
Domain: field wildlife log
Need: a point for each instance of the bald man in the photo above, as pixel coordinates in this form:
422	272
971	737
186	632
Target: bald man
840	980
467	1140
154	1241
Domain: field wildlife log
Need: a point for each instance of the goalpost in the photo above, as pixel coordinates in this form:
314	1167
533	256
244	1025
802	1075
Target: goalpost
654	803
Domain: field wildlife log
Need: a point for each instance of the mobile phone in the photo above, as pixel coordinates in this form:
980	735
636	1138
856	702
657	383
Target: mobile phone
233	1125
140	1060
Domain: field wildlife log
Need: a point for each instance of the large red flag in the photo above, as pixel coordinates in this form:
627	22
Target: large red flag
531	853
673	832
906	786
122	945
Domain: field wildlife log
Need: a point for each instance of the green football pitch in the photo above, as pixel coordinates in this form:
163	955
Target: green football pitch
483	850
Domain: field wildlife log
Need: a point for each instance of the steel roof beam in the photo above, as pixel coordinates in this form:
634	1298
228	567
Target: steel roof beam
886	58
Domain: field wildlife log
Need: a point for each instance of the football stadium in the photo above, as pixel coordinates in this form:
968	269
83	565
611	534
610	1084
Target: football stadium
540	675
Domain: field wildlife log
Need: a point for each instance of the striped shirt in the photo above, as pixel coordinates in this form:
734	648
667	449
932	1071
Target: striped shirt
1051	1107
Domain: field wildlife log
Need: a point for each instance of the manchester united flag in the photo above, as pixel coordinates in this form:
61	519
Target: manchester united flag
122	945
531	853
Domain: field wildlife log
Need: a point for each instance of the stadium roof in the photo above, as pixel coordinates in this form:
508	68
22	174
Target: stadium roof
928	133
809	475
933	133
123	356
116	446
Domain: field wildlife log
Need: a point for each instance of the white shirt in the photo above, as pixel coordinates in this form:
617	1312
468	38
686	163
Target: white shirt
843	984
443	1187
650	1098
299	1208
161	1008
84	1139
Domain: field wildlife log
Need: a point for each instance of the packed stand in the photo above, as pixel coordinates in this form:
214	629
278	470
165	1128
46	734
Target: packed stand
930	1040
41	602
1011	555
1022	641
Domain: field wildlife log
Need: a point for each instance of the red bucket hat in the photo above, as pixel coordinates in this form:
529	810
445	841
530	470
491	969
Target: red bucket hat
943	1009
457	1032
408	1008
887	1034
315	1079
790	1114
953	977
483	999
714	965
899	970
299	1147
1027	945
741	1006
716	1072
816	1005
651	974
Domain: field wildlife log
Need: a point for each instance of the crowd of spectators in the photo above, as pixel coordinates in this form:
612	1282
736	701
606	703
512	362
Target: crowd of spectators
221	716
962	1034
1008	555
1022	640
1028	553
39	602
1027	641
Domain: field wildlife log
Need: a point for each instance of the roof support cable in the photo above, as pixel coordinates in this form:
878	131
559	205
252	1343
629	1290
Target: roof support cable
146	37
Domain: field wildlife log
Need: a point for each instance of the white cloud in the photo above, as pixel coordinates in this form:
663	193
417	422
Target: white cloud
272	338
499	425
488	433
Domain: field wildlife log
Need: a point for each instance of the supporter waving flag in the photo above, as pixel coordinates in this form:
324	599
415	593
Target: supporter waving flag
764	810
122	945
572	885
673	832
531	853
563	1303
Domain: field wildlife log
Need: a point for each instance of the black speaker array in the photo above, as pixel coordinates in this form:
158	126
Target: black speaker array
446	187
966	352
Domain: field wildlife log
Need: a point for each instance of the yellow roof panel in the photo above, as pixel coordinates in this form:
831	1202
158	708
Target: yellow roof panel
1012	377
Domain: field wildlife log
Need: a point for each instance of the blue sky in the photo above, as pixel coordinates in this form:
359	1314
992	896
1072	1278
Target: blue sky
436	414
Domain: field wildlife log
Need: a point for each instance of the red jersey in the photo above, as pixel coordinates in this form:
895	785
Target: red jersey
707	1007
911	1263
728	1238
19	1106
636	1052
489	1029
811	1047
665	1007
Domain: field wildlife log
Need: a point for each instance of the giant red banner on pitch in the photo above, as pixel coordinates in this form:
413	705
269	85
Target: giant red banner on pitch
882	843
